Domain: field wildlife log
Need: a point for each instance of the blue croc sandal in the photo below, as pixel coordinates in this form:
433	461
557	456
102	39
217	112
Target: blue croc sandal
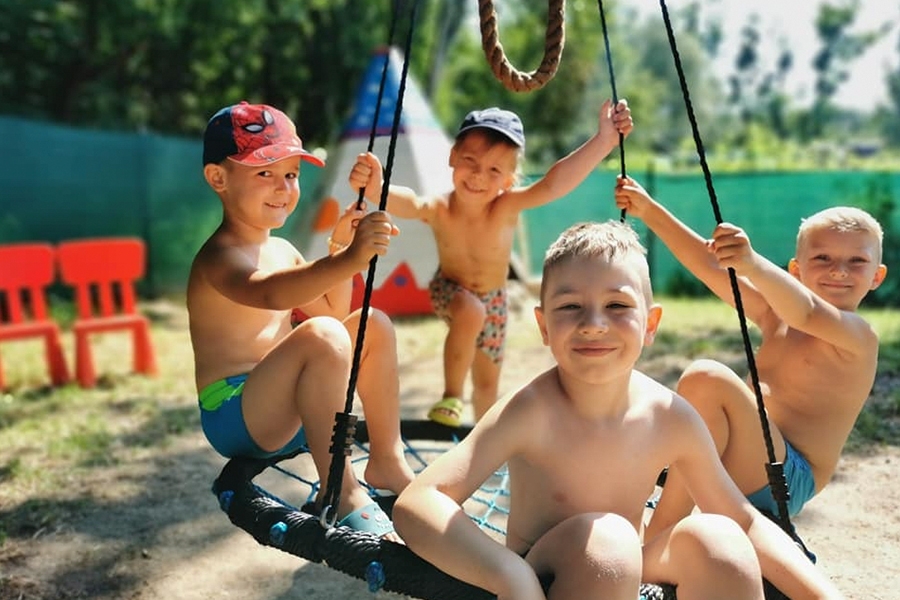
370	518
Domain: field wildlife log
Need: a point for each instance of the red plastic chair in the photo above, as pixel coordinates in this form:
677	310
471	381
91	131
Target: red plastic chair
25	272
103	272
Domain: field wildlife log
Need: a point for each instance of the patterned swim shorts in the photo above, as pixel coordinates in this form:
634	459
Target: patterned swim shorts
492	338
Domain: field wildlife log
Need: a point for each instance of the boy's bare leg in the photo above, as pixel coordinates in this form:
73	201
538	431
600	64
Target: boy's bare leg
592	555
467	315
728	407
703	555
379	391
303	382
485	383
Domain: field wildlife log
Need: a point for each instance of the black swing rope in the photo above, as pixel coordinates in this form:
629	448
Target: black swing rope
345	422
615	96
774	468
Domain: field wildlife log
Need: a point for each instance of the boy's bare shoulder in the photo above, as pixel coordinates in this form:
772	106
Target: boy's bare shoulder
532	399
649	390
437	202
286	249
662	405
206	255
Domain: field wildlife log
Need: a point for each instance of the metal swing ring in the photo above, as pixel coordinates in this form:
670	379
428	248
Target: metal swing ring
325	521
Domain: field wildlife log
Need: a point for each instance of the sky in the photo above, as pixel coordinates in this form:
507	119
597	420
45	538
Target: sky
795	21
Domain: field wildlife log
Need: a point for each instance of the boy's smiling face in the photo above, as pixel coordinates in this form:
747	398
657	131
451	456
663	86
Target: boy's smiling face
262	197
595	317
839	266
481	170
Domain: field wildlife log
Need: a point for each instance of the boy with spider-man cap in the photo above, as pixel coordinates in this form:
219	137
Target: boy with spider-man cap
265	387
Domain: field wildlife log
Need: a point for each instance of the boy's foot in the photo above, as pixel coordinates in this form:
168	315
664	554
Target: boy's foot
388	472
447	412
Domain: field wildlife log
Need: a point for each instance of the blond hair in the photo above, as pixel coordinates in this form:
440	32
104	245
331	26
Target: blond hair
608	240
843	219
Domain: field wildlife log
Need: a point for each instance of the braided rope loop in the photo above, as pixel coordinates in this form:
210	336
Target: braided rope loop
554	40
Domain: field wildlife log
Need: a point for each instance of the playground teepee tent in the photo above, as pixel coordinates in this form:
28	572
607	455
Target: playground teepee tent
420	162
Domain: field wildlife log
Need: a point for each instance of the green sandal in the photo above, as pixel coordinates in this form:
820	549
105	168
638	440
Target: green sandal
447	412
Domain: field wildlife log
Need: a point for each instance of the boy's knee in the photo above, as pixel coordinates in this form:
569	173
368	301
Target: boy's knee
379	324
711	535
712	552
704	376
467	308
584	543
322	336
613	543
605	536
611	529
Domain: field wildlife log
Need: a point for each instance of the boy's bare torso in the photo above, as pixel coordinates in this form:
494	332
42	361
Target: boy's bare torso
231	338
474	245
813	393
574	464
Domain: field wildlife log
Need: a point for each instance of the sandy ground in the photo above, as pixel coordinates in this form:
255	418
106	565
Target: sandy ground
151	528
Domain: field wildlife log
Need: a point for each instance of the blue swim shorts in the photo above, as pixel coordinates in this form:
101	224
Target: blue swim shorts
800	483
223	421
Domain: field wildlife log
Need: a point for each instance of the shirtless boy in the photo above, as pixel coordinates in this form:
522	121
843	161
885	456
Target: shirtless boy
266	388
474	225
581	525
816	361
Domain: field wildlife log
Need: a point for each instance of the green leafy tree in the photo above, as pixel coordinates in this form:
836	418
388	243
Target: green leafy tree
888	117
840	47
877	197
658	100
167	65
757	93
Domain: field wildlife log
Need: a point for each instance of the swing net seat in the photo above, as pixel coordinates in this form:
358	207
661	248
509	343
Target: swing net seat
382	564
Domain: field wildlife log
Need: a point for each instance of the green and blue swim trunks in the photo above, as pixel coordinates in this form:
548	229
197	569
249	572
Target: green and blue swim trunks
222	419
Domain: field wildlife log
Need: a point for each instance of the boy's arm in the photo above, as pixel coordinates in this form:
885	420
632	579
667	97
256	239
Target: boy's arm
237	276
336	301
691	250
790	300
782	562
429	517
402	201
568	172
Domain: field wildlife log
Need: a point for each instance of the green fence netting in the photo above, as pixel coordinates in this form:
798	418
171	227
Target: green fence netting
59	183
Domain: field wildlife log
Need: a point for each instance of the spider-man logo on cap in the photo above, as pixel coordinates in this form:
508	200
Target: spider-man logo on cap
253	135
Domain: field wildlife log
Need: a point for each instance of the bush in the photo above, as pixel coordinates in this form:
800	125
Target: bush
878	199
